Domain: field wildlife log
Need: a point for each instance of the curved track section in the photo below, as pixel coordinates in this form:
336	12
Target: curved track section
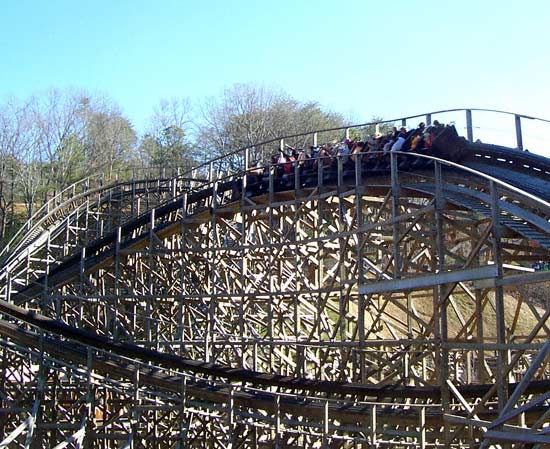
361	308
70	221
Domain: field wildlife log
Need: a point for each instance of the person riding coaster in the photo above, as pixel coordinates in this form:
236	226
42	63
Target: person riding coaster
373	155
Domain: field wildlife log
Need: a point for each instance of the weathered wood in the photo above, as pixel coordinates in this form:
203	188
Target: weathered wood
342	289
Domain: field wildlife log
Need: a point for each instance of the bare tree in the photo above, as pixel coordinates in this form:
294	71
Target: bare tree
64	136
8	136
58	117
240	118
17	146
247	114
108	137
171	112
167	141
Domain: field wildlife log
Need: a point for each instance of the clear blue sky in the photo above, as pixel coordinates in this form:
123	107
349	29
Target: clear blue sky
358	57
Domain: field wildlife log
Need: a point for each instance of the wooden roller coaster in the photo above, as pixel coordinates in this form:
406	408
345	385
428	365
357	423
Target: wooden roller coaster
342	307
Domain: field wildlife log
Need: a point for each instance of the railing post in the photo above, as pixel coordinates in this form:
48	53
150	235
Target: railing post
271	182
255	355
340	171
183	208
246	163
47	268
314	139
282	145
89	396
83	265
422	427
372	426
173	187
347	133
320	162
182	440
194	174
403	122
230	416
297	181
469	128
8	285
246	158
134	408
358	170
325	443
428	119
519	137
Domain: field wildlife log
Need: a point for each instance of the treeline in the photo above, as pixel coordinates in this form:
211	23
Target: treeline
51	140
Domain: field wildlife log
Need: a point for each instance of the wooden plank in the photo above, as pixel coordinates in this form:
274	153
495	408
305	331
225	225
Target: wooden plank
516	279
16	432
432	280
518	436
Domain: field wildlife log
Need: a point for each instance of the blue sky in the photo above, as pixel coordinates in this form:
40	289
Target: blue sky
358	57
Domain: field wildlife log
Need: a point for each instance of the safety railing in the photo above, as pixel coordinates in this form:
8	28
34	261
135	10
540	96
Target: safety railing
242	157
90	185
59	198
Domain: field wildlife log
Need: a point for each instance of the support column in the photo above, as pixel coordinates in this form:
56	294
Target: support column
469	127
502	353
481	374
90	418
519	136
440	304
359	218
395	213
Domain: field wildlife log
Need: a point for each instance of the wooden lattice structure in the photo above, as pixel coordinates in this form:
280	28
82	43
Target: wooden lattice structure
355	308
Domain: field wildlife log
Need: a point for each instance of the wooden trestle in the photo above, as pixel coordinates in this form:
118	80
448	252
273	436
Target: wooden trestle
365	310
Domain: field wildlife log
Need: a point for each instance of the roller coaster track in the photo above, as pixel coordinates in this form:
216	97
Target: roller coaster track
341	307
109	206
